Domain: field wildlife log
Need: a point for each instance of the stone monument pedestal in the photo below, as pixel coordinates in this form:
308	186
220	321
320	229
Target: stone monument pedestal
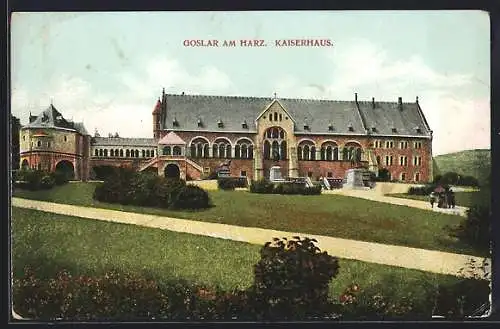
354	179
275	174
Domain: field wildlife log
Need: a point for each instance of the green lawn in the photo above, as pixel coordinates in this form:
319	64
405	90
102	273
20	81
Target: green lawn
465	199
330	215
50	242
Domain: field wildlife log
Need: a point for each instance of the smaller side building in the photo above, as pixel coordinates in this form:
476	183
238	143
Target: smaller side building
50	142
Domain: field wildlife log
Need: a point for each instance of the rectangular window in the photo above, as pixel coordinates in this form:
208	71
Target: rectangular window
329	174
386	160
390	160
403	145
417	161
243	173
401	160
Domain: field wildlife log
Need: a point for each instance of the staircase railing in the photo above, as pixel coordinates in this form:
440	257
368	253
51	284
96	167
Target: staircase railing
194	164
148	163
327	183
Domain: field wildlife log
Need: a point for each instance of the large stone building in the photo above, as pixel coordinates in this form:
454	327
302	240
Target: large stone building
194	134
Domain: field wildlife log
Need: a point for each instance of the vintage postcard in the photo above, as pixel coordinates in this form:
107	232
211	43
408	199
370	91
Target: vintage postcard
250	166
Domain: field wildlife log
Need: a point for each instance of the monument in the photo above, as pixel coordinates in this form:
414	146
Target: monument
275	174
354	179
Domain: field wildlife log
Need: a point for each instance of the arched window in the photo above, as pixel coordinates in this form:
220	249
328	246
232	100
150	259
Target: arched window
329	151
121	152
354	151
147	154
177	150
132	153
228	151
403	176
237	153
112	153
100	153
152	153
39	143
105	152
267	150
307	150
215	151
244	150
205	151
143	153
250	152
96	152
127	153
136	153
167	150
199	148
116	152
283	150
299	152
275	116
281	117
417	177
275	151
274	148
378	160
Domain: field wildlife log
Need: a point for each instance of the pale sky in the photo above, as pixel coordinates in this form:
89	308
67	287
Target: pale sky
108	69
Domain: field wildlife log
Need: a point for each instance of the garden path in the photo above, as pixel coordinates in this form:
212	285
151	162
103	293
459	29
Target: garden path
413	258
376	195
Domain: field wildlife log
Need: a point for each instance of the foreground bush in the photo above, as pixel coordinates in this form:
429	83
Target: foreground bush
147	189
475	228
291	279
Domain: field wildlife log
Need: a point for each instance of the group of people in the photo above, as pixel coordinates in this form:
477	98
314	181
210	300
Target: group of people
445	199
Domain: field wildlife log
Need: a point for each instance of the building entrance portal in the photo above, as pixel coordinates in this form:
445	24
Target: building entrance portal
172	171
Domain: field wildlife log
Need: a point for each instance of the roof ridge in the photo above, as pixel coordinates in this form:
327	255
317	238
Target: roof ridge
263	97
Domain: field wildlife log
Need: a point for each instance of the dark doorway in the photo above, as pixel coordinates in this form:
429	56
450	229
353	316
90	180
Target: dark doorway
172	171
67	168
25	165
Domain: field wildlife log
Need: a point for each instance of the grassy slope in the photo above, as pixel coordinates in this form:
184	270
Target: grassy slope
475	163
330	215
52	242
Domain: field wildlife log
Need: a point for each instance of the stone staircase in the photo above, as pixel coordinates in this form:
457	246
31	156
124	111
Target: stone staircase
149	163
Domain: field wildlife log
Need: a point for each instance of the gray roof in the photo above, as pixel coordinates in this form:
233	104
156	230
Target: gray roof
386	116
121	141
52	118
186	110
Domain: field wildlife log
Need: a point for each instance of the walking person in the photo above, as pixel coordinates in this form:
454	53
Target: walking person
432	199
452	199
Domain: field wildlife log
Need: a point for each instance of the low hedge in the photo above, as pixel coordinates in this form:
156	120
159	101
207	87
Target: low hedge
230	183
266	187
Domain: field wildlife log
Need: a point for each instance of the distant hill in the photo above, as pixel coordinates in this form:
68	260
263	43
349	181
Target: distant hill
475	163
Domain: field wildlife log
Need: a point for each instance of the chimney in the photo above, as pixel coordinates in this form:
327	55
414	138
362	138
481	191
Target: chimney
373	102
356	97
416	101
400	103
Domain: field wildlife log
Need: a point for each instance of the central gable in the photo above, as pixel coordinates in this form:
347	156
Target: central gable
275	112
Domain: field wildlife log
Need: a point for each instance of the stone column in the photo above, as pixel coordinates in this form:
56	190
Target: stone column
258	163
318	153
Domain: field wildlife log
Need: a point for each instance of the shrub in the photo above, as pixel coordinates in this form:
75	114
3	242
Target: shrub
47	182
261	186
468	181
475	228
191	197
383	175
60	178
230	183
33	179
166	190
291	279
104	172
